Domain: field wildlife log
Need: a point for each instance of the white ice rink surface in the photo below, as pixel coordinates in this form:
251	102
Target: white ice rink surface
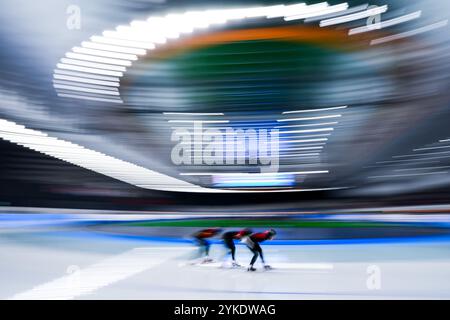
82	266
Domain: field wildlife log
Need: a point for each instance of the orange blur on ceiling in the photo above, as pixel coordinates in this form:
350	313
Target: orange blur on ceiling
337	39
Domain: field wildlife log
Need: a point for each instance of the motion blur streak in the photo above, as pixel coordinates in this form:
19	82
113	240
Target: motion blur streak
101	274
128	126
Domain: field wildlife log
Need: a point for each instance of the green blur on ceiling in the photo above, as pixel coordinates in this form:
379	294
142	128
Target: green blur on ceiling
259	75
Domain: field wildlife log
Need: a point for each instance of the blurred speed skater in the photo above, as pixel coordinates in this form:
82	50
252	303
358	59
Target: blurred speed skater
228	240
200	238
253	242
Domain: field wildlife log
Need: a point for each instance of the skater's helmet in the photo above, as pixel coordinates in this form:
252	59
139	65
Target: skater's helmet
272	233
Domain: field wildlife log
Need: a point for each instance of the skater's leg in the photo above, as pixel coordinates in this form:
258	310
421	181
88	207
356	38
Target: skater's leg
252	246
199	244
260	253
255	256
233	251
227	251
202	247
229	246
206	245
267	267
